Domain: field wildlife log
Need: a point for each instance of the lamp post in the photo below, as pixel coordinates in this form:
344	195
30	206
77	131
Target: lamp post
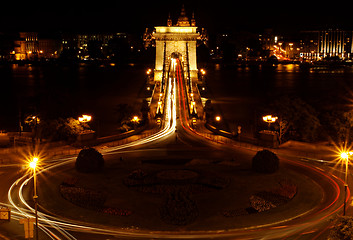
269	119
345	156
33	165
85	118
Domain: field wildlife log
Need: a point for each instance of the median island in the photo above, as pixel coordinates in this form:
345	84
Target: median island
179	194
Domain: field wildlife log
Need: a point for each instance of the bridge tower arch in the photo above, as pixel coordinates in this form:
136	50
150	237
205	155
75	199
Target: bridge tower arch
179	38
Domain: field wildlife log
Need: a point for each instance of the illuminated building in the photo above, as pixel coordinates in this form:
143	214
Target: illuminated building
317	45
92	46
334	43
179	40
31	47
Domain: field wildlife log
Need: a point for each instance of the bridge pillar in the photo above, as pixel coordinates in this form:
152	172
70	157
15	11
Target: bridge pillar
172	39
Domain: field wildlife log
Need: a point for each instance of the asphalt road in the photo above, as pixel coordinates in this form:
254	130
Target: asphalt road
176	138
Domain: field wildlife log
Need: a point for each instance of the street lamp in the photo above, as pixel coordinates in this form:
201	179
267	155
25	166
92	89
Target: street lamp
269	119
85	118
135	119
345	157
33	164
218	118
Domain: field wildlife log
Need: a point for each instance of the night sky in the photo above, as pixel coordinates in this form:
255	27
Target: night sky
134	16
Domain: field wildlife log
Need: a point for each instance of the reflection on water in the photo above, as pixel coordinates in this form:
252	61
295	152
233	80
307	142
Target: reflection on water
59	90
69	90
240	90
285	79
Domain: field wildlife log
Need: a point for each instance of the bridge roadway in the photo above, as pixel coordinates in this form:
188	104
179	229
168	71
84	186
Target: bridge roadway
312	225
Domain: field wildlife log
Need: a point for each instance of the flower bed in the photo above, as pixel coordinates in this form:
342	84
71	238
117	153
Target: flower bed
116	211
179	209
266	200
177	186
88	198
83	197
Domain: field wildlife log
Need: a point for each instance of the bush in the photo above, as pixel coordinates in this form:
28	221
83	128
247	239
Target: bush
89	160
179	209
342	228
265	162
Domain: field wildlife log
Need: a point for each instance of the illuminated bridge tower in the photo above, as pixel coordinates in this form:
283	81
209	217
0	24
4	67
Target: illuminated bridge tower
176	41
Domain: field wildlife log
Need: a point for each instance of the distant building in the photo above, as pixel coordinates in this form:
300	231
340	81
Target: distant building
267	40
317	45
29	46
91	46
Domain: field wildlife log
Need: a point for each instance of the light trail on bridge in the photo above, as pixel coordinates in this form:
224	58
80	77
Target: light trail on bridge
283	231
45	220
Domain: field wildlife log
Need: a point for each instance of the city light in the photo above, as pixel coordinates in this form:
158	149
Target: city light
135	119
33	163
218	118
269	119
85	118
345	157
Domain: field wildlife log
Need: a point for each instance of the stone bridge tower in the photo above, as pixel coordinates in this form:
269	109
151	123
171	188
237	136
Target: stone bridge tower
176	41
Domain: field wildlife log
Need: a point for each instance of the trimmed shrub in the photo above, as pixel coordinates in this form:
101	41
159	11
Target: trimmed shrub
342	228
179	209
265	162
89	160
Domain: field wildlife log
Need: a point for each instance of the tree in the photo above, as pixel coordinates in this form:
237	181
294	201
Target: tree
283	129
265	162
145	109
338	124
89	160
62	129
343	228
123	113
208	109
299	120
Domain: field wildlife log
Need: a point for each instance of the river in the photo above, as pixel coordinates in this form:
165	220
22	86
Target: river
238	92
54	90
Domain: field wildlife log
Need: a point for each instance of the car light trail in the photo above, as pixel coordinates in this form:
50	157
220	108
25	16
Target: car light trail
58	224
57	228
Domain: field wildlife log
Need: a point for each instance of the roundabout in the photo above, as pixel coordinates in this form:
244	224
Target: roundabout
166	188
215	206
177	184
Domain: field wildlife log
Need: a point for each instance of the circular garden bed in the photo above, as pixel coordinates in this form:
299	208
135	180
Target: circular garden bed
158	197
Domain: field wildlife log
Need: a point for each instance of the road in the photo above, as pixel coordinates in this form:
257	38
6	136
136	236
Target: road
178	137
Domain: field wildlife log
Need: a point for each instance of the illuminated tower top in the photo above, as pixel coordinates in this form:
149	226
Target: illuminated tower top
169	23
193	21
183	20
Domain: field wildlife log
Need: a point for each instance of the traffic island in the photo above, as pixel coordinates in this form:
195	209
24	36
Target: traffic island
193	195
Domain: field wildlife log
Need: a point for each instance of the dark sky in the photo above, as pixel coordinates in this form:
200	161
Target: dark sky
134	16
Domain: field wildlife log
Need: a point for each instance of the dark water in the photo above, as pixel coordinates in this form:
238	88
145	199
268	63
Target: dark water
239	92
56	90
66	91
